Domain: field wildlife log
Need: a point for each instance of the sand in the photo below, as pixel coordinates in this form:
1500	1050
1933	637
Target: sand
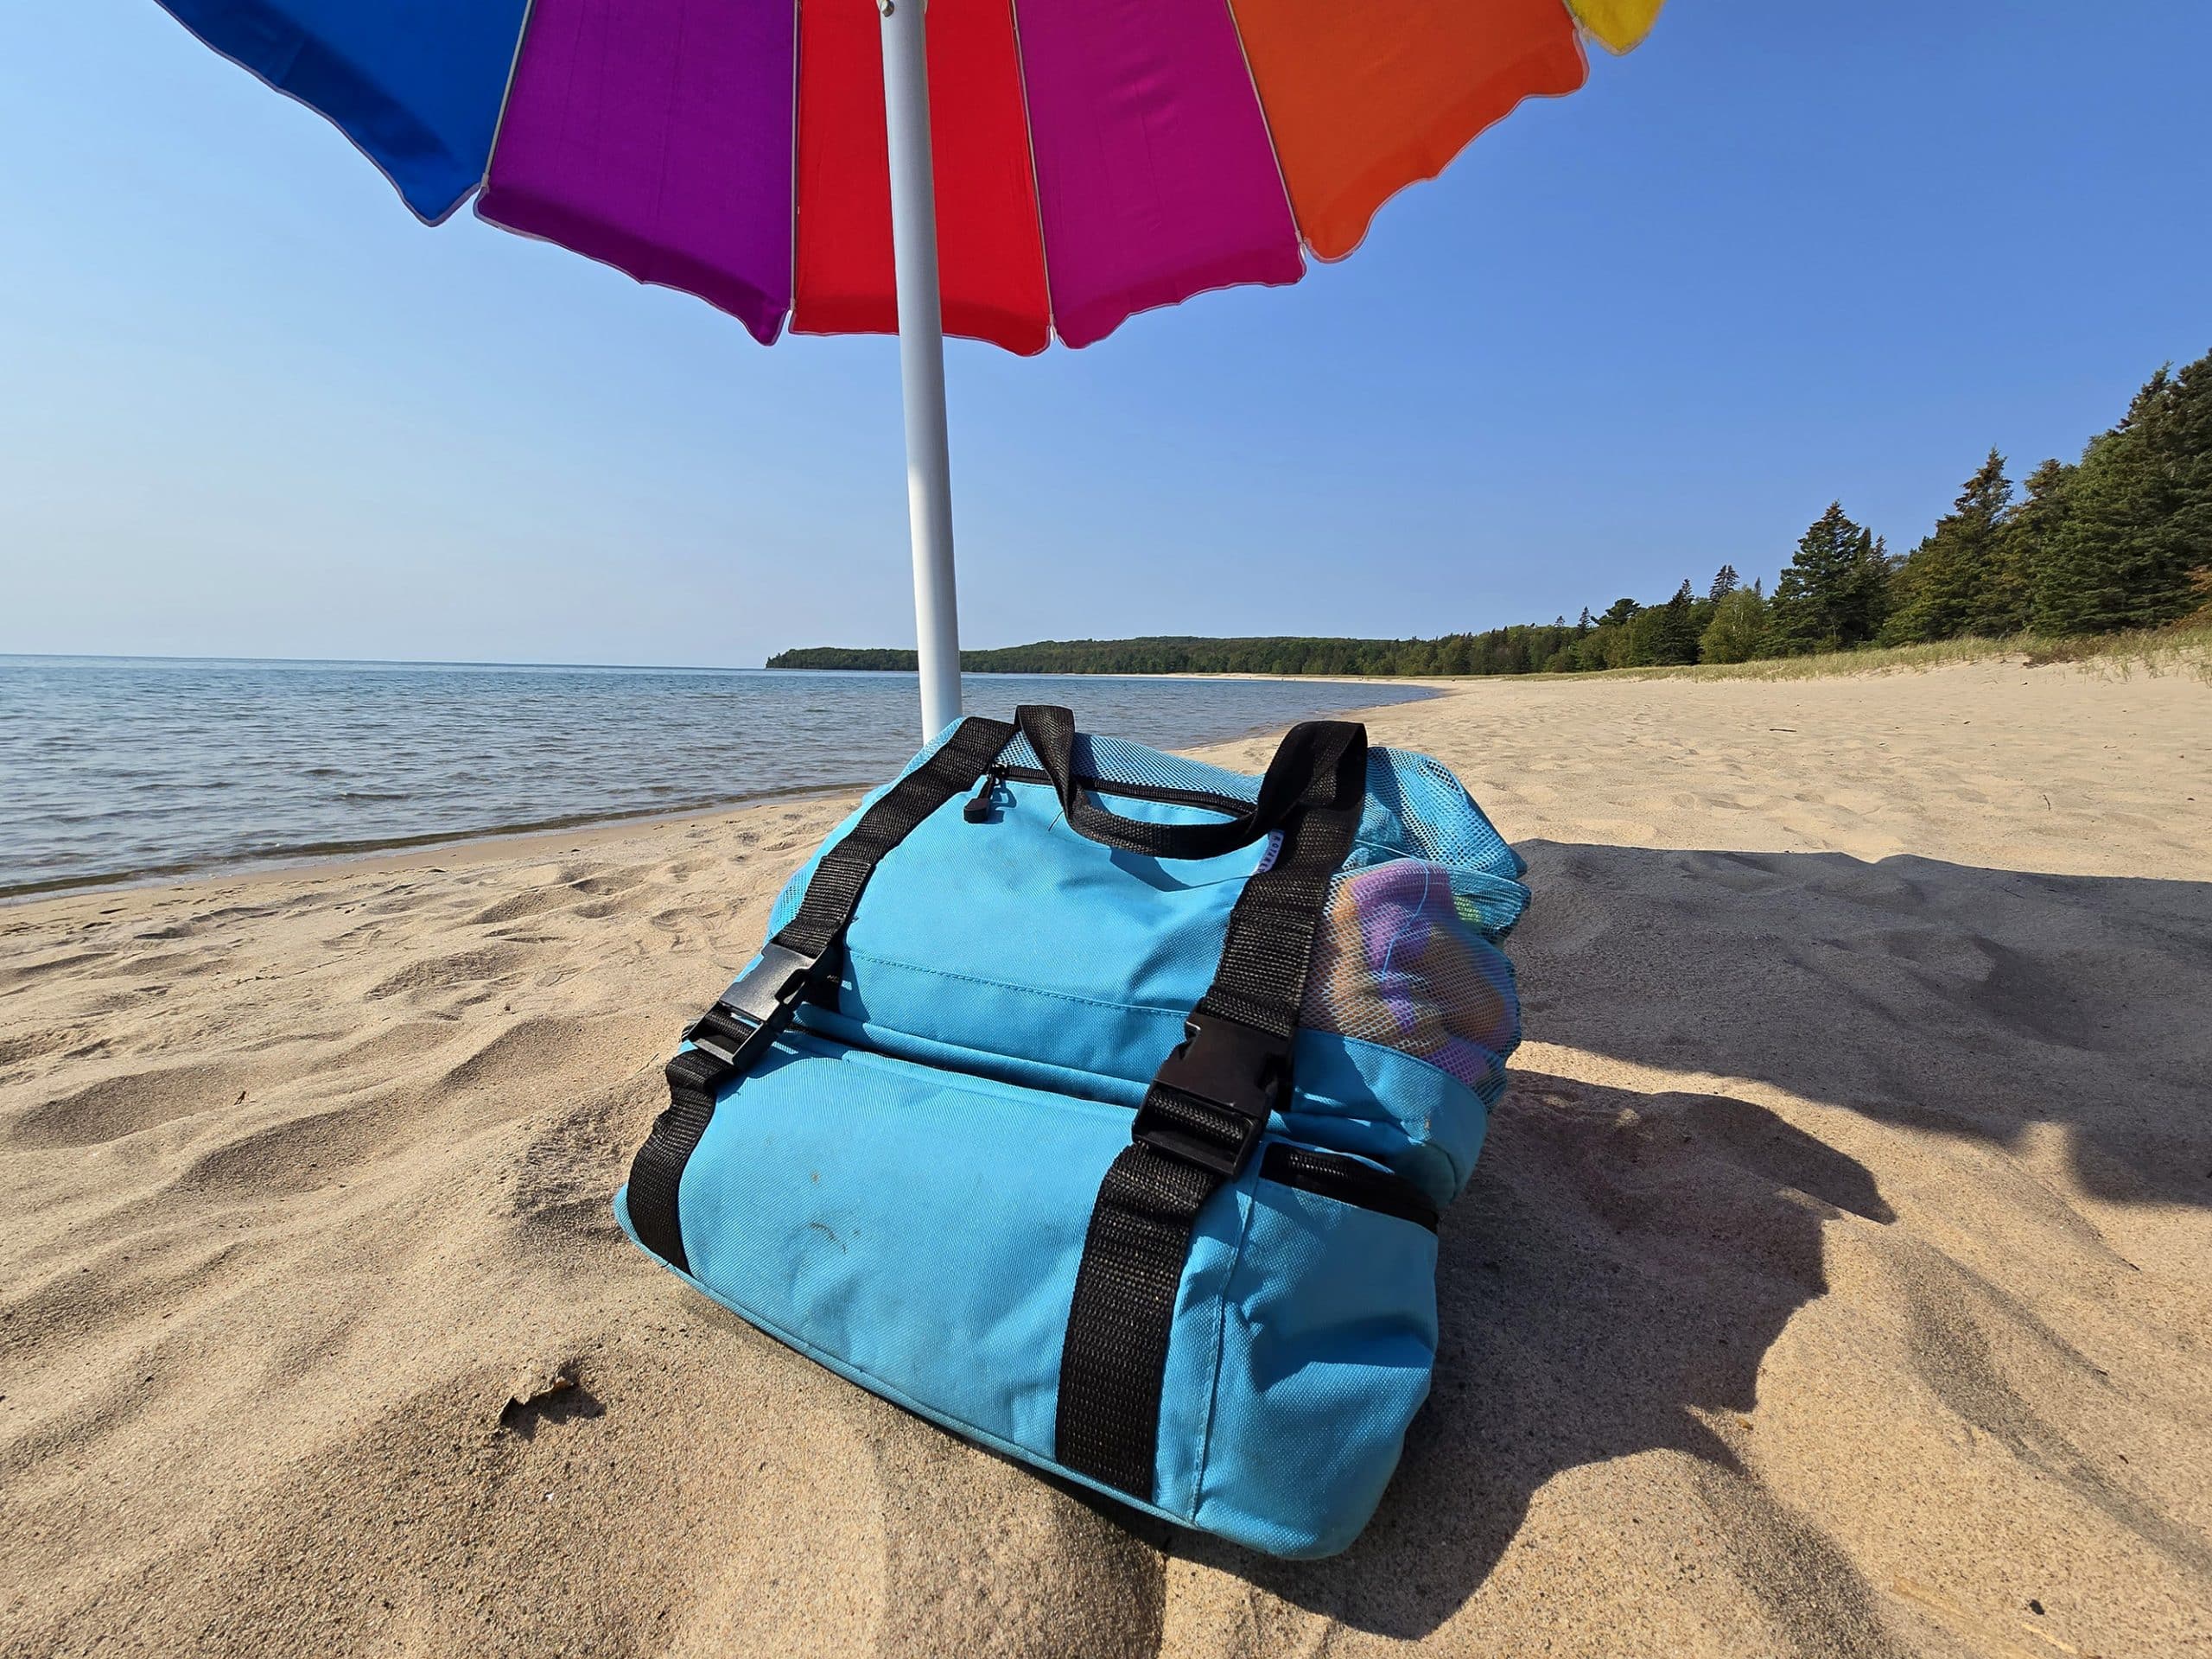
1835	1280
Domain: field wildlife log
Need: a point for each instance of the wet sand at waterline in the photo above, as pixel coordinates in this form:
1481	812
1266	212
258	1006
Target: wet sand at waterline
1835	1280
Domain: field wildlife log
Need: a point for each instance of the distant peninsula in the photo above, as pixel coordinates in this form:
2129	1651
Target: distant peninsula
1161	654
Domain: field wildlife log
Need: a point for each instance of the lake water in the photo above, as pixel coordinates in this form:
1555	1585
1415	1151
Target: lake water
118	769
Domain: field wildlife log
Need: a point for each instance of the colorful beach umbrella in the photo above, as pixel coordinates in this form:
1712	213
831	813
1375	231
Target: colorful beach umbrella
783	159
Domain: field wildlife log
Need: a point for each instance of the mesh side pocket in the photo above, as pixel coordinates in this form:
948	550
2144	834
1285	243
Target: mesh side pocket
1415	802
1401	961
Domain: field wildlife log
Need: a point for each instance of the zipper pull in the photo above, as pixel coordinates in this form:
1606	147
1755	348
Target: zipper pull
978	809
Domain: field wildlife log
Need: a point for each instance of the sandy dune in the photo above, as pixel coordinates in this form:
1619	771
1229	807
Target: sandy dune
1835	1282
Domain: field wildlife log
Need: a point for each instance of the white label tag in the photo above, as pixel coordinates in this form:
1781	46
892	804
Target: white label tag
1275	849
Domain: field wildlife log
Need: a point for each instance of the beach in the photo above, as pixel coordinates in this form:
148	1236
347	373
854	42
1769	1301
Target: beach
1835	1280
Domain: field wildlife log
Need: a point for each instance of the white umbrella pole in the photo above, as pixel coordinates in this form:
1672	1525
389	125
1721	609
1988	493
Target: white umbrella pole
921	359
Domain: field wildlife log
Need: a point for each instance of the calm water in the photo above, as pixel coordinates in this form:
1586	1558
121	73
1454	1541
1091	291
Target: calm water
115	768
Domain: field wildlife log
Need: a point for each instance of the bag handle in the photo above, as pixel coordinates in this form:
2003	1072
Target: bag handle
1319	763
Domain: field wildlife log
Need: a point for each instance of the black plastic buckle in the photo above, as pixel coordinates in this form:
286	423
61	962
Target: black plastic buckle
1230	1076
757	1008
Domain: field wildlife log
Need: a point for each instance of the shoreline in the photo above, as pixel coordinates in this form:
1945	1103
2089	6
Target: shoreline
409	852
412	852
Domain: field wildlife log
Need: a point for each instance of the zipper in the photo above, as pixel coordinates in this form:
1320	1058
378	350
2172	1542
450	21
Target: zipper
1348	1180
1228	805
979	805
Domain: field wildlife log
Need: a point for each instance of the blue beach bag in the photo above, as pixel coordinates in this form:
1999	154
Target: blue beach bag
1098	1104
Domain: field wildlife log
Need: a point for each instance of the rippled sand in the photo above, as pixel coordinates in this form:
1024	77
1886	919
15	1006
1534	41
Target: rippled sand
1835	1281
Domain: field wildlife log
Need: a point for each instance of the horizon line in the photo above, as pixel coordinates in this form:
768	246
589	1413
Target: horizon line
371	662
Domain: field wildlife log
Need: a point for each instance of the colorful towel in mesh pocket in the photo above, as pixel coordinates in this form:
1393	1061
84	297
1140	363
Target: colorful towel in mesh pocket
1401	960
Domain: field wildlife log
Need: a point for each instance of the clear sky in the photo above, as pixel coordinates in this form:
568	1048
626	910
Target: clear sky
1783	253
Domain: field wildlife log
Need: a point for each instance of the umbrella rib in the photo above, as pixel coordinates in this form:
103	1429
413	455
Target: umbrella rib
1036	185
1236	24
506	96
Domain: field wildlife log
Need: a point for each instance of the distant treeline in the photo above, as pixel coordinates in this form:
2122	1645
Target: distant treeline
2122	538
1167	654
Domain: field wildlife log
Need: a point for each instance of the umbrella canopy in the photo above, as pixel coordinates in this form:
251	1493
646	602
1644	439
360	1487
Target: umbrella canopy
1094	158
783	159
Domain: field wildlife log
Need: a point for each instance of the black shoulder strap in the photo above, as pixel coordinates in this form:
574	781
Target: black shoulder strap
1200	1123
760	1002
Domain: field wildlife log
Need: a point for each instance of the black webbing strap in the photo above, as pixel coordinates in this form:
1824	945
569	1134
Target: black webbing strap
1199	1125
836	887
1302	773
760	1002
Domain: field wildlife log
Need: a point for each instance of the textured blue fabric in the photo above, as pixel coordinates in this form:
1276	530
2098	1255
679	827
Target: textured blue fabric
416	84
901	1190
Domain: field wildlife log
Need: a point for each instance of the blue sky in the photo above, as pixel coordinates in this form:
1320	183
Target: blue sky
1782	254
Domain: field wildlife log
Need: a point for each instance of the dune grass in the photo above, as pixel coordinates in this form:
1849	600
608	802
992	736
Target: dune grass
2186	649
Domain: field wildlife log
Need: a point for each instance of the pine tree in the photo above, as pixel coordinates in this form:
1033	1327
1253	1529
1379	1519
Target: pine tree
1679	628
2134	544
1956	582
1725	583
2034	529
2188	534
1833	596
1867	600
2006	601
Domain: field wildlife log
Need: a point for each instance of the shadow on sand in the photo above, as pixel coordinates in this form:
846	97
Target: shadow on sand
1622	1261
1969	1003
